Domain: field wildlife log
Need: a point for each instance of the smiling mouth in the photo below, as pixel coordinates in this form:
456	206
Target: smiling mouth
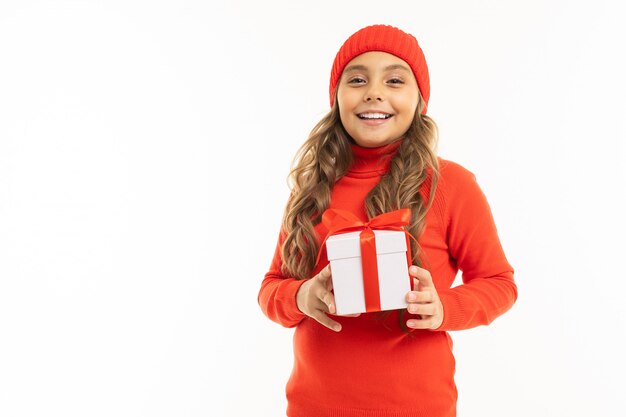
373	116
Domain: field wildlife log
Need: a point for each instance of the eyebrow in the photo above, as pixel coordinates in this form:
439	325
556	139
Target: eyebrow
364	68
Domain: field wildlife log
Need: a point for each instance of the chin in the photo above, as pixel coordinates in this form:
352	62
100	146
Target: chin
373	143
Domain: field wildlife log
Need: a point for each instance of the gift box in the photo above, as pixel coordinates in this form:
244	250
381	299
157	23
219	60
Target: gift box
378	283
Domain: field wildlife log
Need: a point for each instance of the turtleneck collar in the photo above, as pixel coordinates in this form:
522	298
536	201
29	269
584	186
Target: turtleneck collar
372	162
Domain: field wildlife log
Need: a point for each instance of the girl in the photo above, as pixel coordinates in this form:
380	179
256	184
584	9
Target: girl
375	152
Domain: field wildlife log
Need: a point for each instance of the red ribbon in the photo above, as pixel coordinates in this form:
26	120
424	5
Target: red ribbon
337	220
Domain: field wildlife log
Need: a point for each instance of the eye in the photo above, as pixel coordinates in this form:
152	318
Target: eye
356	80
396	81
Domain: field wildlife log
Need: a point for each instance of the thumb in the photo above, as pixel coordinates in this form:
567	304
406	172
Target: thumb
418	285
423	275
324	274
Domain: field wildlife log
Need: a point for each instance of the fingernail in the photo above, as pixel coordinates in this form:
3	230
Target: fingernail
412	297
336	327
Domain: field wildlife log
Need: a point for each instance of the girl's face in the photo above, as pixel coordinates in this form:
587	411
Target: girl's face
377	97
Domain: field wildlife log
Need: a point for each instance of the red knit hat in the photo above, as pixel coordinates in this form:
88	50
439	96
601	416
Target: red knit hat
388	39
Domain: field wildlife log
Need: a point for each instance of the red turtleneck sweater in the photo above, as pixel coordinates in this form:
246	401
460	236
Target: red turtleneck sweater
373	368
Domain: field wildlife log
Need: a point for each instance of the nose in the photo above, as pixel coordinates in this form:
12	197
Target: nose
373	92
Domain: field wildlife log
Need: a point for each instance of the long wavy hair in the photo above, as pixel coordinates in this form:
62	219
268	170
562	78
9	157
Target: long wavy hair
325	157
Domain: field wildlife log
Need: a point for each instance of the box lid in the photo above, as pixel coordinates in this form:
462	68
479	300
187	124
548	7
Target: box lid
348	245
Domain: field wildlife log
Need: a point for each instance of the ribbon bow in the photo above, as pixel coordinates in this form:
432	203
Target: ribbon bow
337	220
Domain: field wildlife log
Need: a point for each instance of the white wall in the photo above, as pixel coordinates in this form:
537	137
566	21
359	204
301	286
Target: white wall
144	149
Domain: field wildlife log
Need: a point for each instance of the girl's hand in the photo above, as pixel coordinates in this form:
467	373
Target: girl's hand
315	299
425	301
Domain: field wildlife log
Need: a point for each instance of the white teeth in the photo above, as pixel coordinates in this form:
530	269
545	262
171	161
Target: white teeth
374	116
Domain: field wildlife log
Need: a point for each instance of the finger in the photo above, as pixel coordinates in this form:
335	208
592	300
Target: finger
422	280
328	299
422	309
327	321
347	315
419	297
427	323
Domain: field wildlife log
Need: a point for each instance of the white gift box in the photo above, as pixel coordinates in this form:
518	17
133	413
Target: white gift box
344	254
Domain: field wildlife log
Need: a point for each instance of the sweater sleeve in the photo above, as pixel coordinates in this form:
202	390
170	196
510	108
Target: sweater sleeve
277	296
488	288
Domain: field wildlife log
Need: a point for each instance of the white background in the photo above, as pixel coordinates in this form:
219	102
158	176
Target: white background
144	150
